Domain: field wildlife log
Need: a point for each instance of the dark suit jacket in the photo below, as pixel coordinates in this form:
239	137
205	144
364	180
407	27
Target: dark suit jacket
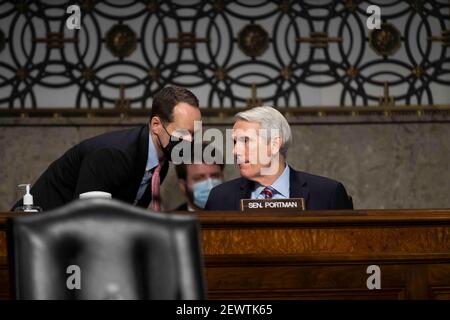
113	162
320	193
182	207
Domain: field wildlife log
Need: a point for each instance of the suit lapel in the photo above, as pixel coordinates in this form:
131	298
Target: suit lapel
142	155
245	191
298	187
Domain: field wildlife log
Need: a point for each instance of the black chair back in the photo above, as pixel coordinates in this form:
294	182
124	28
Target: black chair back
111	250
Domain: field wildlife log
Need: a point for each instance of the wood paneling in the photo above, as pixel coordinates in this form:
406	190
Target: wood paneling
319	255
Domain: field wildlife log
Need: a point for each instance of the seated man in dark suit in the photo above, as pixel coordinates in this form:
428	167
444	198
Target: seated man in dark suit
124	163
262	137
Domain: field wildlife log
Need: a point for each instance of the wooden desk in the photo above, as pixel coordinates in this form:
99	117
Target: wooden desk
318	254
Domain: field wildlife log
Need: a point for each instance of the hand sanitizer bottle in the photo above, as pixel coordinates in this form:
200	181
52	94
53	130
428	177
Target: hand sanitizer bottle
27	201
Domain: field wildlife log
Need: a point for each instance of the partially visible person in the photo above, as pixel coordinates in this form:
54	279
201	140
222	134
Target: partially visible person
129	164
196	181
262	137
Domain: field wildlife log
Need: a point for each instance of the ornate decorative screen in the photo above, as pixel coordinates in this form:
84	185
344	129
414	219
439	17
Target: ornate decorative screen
230	53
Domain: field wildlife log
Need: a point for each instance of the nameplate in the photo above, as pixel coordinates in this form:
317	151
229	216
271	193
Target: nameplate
278	204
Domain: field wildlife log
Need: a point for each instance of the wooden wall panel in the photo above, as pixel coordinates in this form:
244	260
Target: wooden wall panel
318	255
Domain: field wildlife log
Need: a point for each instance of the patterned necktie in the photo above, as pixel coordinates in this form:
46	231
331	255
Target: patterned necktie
268	192
155	204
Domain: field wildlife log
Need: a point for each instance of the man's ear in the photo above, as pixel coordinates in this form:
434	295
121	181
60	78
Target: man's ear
155	122
275	144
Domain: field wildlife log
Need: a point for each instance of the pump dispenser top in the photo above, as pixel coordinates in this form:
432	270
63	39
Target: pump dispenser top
27	197
28	205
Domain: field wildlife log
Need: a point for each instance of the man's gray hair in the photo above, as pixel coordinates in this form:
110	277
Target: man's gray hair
269	118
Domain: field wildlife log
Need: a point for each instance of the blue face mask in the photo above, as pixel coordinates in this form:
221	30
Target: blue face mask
202	189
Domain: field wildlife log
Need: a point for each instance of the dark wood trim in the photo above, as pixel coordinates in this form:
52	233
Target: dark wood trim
298	294
3	263
221	113
237	260
385	217
405	217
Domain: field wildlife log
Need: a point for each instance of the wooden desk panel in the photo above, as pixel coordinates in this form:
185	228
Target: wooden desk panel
318	255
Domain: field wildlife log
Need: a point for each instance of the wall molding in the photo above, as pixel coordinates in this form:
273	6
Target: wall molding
224	116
